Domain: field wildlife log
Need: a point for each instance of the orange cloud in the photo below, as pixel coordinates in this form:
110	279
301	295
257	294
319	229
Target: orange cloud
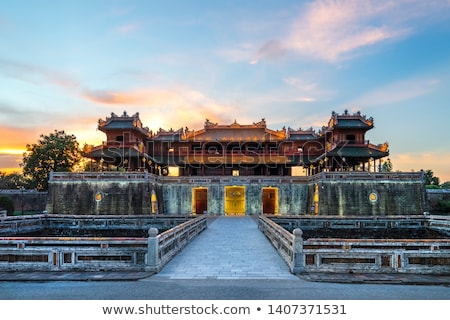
16	139
175	106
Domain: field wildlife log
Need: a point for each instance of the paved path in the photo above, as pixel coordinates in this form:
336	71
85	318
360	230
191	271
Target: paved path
231	247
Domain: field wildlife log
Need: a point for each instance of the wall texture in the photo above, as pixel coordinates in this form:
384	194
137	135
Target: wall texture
371	197
29	201
101	197
336	197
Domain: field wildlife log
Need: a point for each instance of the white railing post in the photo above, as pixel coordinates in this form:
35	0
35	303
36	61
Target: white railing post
153	262
298	259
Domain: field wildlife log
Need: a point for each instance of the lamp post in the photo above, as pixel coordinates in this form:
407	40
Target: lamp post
22	189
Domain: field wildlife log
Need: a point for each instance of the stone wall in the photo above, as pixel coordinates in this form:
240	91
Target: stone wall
343	194
29	201
101	197
371	197
292	198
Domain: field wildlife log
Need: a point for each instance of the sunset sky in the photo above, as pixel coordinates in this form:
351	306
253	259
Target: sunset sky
65	64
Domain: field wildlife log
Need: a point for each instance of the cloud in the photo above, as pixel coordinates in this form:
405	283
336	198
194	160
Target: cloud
173	106
35	74
396	92
336	30
128	28
243	52
333	30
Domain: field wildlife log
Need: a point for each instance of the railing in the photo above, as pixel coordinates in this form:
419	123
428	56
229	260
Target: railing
322	176
235	179
439	223
72	253
21	224
105	175
288	245
378	255
422	256
92	253
367	176
163	247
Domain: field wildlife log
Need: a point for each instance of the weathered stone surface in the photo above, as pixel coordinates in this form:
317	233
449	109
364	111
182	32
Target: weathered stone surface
344	196
353	198
29	201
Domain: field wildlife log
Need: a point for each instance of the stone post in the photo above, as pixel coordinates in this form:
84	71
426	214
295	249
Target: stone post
153	263
298	263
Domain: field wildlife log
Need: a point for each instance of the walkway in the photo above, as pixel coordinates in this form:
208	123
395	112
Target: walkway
231	247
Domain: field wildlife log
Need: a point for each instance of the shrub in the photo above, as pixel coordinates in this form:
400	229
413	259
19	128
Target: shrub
7	204
443	206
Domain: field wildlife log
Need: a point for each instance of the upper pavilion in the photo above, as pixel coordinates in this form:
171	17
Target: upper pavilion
238	149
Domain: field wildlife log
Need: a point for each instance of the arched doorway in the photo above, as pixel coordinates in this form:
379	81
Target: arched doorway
235	200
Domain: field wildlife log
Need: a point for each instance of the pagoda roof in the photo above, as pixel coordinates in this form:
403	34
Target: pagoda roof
350	121
302	135
169	135
358	152
236	132
122	122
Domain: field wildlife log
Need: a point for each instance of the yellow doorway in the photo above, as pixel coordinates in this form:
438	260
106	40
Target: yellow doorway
235	200
270	200
199	200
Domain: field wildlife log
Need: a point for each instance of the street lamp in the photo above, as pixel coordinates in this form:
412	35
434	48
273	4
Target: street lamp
22	189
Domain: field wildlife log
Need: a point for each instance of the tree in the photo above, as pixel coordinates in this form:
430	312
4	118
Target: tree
387	166
13	181
430	179
445	185
58	152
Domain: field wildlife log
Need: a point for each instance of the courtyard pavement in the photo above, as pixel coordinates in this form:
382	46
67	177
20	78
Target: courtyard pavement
231	248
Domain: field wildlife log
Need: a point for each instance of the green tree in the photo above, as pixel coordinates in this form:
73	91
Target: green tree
58	152
13	180
430	179
387	166
445	185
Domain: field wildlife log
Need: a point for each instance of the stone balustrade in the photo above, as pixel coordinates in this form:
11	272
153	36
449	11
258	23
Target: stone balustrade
421	256
60	253
136	175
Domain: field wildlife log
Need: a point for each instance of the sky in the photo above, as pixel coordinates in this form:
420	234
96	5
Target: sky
66	64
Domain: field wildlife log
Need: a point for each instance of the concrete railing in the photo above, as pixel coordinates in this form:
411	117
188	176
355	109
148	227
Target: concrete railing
322	176
439	223
288	245
72	253
422	256
367	176
94	253
163	247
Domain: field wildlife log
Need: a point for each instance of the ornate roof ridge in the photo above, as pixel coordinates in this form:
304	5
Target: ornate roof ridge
356	116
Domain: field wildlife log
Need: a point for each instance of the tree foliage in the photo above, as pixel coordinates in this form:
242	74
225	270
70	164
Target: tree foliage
387	166
13	180
430	179
445	185
58	152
